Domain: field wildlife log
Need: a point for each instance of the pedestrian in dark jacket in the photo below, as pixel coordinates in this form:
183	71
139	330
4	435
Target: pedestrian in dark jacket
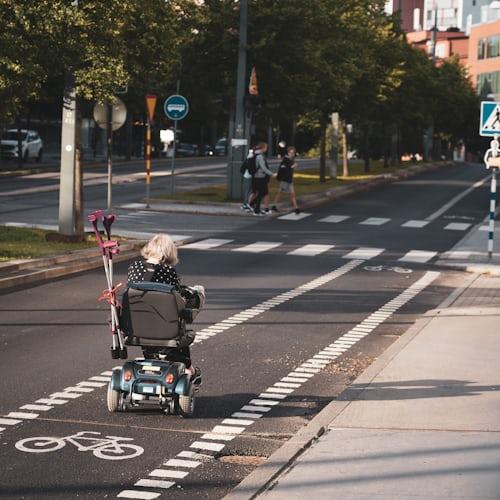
261	177
285	178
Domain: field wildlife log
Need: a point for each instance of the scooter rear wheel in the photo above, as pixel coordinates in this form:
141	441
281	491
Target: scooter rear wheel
186	403
113	399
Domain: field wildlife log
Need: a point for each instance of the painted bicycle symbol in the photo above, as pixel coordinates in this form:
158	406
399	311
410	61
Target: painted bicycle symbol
106	448
396	269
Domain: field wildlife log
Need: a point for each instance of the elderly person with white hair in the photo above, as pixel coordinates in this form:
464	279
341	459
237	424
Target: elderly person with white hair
159	258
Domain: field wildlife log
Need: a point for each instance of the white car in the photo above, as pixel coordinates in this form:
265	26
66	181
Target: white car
31	144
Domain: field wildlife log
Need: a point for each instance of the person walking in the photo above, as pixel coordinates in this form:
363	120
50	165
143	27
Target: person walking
248	171
261	177
285	178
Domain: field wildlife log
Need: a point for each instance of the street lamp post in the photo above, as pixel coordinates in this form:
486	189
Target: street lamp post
236	154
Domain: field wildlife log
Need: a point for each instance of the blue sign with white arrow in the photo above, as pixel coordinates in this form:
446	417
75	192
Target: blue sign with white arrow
489	124
176	107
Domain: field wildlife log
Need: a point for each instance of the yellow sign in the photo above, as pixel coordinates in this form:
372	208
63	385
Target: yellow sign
151	105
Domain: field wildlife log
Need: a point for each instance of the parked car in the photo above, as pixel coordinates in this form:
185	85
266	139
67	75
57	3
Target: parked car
221	147
186	149
31	144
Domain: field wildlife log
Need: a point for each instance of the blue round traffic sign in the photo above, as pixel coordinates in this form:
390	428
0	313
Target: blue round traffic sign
176	107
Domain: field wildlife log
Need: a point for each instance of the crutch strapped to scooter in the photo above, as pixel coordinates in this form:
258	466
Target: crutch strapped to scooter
109	248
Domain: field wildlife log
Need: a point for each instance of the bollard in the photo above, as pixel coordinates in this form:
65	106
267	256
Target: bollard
492	161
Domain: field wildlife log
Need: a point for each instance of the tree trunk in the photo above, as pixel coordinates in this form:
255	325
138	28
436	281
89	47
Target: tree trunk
366	148
20	156
322	156
294	134
345	147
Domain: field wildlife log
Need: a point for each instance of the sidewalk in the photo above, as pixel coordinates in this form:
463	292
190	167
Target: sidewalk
422	422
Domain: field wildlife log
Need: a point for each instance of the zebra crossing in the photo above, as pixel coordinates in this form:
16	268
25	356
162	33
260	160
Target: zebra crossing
374	221
307	250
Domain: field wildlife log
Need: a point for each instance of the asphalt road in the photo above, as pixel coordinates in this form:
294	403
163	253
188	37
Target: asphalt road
368	261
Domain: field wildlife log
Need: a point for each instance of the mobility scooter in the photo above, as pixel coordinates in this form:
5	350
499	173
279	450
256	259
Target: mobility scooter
154	317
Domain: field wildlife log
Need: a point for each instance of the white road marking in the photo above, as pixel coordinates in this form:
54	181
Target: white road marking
456	199
98	378
68	395
415	223
79	389
261	408
226	429
9	421
22	415
206	445
154	483
142	495
311	250
218	437
420	256
365	253
176	462
294	216
194	455
36	407
235	421
457	226
244	414
335	219
375	221
206	244
172	474
91	384
51	401
258	247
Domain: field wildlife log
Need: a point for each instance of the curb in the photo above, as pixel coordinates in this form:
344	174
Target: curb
281	460
91	259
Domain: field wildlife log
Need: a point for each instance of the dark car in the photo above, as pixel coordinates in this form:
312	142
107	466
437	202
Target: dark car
186	149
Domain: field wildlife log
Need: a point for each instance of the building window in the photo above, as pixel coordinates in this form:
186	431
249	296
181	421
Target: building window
493	48
481	48
488	83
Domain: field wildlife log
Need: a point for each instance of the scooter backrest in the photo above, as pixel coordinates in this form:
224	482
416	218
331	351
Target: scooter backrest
152	312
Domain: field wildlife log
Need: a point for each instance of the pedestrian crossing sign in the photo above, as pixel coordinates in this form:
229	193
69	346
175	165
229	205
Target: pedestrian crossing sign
490	119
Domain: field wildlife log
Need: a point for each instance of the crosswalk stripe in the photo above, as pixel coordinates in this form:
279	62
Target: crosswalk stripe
335	219
258	247
311	250
374	221
364	253
207	244
419	256
457	226
415	223
294	216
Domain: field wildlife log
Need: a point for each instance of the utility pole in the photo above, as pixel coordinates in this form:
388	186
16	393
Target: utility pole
109	151
429	147
68	151
236	156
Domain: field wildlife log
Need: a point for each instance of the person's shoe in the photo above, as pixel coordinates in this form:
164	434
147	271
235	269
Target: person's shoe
274	208
267	211
258	214
298	210
246	207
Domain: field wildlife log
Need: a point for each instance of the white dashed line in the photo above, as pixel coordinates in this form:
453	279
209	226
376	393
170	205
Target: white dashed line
311	250
206	244
420	256
294	216
335	219
415	223
258	247
375	221
365	253
457	226
154	483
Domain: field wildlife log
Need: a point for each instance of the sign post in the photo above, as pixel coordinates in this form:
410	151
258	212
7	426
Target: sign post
150	104
110	117
176	108
490	127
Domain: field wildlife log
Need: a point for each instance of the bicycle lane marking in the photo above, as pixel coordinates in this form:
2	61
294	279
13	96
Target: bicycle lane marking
215	440
78	390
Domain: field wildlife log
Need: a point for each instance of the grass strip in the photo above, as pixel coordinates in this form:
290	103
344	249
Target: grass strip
29	243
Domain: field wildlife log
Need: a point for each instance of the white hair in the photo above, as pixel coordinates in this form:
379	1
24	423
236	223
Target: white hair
161	247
